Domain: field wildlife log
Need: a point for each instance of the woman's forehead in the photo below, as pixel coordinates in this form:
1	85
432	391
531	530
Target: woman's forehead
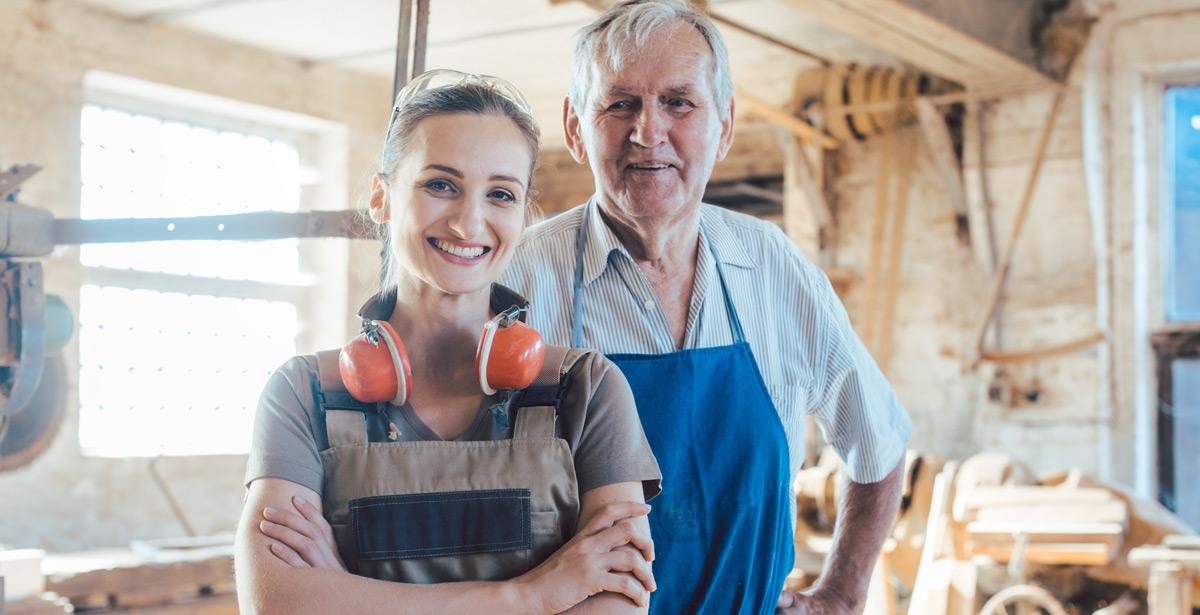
478	143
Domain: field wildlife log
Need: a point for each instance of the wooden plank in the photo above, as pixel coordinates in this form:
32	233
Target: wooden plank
941	150
1081	554
891	290
1182	541
1108	512
1025	494
1147	555
1046	531
867	312
1170	590
799	127
925	587
921	40
116	572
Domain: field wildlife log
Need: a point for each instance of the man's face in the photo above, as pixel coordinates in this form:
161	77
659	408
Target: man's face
652	131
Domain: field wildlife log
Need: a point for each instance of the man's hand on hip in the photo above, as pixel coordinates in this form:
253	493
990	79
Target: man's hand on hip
815	603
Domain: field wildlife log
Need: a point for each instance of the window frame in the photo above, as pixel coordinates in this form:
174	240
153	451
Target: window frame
320	299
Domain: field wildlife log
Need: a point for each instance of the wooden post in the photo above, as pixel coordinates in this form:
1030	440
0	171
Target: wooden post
891	290
1170	591
805	211
945	162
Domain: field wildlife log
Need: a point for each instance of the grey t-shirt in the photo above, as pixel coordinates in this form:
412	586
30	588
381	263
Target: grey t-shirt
597	417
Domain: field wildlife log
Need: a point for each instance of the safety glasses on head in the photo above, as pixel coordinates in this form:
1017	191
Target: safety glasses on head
445	78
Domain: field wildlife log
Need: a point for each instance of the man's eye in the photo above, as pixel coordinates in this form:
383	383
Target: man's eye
679	103
620	105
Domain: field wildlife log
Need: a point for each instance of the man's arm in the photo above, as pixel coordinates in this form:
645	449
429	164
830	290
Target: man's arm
864	520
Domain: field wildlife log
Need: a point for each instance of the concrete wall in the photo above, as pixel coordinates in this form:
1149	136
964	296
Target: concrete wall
63	500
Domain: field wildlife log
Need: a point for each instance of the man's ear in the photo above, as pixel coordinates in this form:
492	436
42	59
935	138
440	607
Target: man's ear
571	130
380	205
726	133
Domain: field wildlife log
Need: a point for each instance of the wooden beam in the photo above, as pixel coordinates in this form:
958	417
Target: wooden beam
891	290
945	161
805	212
921	40
1045	352
797	126
1001	272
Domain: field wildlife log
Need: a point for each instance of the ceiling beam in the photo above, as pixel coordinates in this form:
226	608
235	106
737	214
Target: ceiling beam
923	40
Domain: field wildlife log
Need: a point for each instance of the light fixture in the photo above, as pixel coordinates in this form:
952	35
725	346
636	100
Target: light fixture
1196	122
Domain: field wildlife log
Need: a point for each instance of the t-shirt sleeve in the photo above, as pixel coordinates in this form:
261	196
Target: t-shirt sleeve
602	426
283	444
851	400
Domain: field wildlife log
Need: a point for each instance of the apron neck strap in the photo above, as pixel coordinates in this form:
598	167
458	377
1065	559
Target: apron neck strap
735	323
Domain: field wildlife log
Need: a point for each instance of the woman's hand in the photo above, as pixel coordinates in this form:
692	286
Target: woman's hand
304	538
593	561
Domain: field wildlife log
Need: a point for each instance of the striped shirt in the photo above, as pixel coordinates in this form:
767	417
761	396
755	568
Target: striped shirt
810	358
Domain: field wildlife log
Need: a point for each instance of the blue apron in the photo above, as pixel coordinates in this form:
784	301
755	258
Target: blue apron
721	527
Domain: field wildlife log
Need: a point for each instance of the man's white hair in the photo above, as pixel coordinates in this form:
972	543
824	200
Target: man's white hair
625	28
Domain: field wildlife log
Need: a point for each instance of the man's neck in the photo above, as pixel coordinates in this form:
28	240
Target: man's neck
665	251
665	244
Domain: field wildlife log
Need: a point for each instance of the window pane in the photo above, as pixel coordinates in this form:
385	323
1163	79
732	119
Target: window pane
167	373
136	166
1185	385
1183	215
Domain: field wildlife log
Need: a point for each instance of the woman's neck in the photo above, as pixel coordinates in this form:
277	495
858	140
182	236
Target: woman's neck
440	332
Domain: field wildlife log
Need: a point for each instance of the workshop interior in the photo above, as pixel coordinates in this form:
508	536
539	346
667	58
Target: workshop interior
1004	195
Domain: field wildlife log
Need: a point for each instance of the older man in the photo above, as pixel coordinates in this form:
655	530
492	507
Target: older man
728	336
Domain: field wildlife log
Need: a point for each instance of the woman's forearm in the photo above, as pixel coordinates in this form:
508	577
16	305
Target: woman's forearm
271	588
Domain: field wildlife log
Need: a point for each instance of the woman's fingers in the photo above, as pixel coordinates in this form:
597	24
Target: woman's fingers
291	520
640	536
628	586
613	512
625	560
298	542
289	557
314	516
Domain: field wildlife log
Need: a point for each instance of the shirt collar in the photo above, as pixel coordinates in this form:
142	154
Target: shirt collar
602	242
381	305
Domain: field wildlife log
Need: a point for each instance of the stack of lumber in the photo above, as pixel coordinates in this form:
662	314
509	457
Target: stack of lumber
194	577
1046	525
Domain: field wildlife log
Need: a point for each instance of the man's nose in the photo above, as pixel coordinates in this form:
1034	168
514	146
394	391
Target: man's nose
650	126
467	220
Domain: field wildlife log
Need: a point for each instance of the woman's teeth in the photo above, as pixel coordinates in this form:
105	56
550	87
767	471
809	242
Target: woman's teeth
472	252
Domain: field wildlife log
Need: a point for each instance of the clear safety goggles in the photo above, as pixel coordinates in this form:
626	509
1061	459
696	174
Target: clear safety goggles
445	78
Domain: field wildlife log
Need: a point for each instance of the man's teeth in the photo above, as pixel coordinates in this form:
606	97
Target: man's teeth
649	166
474	252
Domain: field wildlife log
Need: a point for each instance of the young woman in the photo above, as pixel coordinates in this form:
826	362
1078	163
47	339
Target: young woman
448	492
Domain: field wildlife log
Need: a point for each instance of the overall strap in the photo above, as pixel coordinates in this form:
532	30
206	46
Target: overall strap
577	297
735	323
345	417
537	406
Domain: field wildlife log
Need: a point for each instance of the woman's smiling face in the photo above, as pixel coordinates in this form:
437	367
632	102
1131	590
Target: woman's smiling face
457	200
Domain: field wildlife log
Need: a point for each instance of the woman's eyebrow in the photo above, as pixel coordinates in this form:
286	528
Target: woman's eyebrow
507	178
441	167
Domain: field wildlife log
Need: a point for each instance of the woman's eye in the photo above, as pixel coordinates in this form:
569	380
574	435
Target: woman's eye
439	185
502	195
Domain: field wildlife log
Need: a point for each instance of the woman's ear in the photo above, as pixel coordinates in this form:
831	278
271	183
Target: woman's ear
380	205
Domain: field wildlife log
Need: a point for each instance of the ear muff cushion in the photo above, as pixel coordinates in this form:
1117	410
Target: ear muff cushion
509	357
376	370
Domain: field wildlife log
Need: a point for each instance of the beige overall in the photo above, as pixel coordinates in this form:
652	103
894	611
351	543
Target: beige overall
432	512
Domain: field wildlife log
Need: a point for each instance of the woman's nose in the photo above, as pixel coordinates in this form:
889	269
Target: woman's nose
467	221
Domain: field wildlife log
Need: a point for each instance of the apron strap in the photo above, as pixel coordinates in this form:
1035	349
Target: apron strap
735	323
535	423
329	375
537	406
346	427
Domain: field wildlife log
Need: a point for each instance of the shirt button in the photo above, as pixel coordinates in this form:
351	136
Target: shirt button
648	304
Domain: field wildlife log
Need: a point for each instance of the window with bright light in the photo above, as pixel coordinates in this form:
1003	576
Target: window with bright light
1183	208
176	339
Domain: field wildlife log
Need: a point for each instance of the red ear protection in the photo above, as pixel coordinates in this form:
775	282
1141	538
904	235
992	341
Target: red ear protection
375	365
